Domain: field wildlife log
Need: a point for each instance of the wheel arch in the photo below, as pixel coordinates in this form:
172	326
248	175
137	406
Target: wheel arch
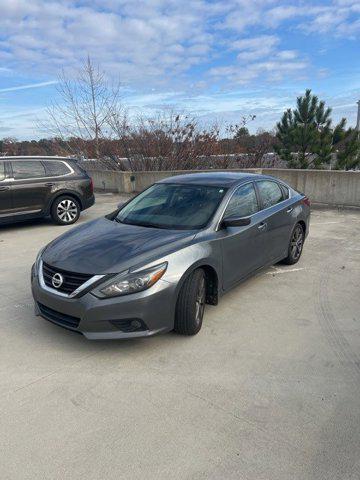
303	224
63	193
211	277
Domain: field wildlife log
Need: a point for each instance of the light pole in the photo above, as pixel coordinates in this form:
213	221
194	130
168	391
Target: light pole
358	117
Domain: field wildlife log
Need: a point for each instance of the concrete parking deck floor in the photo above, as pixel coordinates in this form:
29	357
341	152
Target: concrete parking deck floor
269	389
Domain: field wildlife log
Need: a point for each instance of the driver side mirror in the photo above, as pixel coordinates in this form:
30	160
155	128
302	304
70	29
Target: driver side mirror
236	221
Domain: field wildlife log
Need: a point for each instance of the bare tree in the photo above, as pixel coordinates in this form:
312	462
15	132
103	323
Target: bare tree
120	129
258	146
83	110
169	140
240	130
9	146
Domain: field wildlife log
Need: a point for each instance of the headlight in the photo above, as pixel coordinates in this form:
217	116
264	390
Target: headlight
37	261
126	283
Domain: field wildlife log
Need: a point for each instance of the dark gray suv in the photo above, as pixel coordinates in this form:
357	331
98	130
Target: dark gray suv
32	187
151	265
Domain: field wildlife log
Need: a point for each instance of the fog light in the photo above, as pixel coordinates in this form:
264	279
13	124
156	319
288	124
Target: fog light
136	324
130	325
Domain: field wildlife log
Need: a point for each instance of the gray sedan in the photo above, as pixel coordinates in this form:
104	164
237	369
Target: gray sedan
153	264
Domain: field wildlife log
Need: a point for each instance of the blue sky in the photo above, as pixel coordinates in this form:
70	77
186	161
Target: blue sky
218	59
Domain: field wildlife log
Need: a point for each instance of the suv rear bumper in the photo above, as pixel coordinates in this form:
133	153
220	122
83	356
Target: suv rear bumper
88	202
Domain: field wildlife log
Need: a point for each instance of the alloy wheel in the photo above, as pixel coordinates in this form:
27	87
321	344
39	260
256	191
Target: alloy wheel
67	210
200	301
296	242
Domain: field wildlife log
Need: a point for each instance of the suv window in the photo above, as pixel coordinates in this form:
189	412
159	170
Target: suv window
2	171
243	203
27	169
55	168
270	193
285	192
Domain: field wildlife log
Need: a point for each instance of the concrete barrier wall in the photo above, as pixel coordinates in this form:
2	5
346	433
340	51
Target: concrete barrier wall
335	188
330	187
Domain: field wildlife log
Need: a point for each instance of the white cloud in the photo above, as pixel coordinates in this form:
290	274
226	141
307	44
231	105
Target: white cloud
339	18
287	54
260	58
273	70
30	85
255	48
278	14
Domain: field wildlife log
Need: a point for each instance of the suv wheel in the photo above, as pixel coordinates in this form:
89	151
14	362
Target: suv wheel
65	210
295	245
191	304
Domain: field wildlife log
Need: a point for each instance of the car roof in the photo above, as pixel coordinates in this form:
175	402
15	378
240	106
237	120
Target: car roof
221	179
35	157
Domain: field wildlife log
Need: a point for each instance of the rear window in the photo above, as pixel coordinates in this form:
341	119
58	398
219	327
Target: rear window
270	193
24	169
55	168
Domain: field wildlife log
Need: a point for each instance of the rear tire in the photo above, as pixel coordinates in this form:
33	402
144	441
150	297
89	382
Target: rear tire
296	244
191	304
65	210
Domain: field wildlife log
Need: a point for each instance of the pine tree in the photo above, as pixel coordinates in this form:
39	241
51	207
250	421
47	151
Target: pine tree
306	126
285	135
348	154
306	137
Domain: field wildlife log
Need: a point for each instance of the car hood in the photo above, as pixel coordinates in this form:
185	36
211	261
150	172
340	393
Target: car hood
104	246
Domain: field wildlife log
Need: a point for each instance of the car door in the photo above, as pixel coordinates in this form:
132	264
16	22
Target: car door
276	215
5	193
242	246
30	187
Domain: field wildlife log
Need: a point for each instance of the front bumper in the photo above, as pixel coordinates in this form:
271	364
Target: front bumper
137	315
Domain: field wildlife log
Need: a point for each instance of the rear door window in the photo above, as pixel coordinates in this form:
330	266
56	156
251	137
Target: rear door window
285	191
27	169
270	193
55	168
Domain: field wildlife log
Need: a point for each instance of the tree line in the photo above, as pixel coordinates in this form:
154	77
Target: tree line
90	121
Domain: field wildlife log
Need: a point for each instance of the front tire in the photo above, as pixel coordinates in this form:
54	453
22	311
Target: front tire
191	304
295	245
65	210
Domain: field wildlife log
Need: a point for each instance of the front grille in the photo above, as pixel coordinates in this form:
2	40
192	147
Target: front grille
60	318
71	282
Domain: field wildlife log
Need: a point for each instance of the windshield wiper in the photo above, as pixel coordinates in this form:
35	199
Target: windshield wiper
149	225
142	224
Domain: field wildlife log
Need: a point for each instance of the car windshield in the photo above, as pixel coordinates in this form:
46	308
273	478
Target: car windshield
173	206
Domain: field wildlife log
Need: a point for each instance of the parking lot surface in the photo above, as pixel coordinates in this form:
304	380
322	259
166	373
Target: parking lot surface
268	390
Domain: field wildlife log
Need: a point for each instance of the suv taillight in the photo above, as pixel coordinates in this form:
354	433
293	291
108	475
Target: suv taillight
306	201
91	185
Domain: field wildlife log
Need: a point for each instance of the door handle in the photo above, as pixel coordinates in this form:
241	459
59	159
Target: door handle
289	210
2	189
49	184
262	226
